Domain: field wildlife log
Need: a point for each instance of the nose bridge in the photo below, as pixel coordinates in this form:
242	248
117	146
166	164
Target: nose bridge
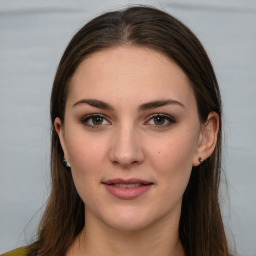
126	147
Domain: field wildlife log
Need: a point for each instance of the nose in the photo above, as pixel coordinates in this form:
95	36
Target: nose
126	149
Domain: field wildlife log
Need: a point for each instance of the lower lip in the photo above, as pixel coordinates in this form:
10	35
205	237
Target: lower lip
127	193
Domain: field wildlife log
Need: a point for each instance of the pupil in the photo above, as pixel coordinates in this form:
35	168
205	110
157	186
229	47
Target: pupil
97	120
159	120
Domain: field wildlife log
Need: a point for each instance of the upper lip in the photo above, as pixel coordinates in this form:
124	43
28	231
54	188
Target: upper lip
126	181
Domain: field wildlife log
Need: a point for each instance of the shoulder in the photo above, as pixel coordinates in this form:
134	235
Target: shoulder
17	252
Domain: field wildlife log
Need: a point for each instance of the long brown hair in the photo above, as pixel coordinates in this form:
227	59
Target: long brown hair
201	228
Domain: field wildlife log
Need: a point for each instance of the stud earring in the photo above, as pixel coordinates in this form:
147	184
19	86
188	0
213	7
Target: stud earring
66	163
200	159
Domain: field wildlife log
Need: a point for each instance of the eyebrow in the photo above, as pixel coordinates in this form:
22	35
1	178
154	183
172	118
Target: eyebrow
94	103
146	106
159	103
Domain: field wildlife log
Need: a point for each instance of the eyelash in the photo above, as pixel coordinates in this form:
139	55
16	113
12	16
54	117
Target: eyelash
86	119
167	118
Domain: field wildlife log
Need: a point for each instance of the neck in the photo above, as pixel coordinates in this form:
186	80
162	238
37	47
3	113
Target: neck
98	239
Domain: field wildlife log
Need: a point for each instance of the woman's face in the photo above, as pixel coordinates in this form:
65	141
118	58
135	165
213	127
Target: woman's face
131	135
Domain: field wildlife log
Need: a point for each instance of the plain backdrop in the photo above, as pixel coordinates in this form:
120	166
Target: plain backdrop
33	35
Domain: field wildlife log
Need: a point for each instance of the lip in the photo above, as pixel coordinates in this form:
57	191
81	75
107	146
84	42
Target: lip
124	192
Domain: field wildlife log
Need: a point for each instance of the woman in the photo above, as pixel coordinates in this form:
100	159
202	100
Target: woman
136	114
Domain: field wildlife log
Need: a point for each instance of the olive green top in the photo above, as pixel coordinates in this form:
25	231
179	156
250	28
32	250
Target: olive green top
17	252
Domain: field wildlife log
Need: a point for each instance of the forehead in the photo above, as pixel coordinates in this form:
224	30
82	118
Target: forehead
128	72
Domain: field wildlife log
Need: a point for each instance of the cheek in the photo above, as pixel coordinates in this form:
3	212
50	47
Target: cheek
85	150
86	159
86	155
173	151
172	160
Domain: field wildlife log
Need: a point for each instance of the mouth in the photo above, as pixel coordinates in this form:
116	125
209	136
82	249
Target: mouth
127	189
126	185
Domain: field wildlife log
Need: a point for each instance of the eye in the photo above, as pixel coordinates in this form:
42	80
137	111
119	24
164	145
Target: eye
95	121
161	120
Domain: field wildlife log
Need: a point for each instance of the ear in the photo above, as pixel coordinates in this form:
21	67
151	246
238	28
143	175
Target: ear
58	125
207	138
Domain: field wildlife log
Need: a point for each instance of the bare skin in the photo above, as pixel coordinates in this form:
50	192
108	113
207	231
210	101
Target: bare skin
131	114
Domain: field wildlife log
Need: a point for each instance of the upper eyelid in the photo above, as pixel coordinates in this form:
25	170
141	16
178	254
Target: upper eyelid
162	115
93	115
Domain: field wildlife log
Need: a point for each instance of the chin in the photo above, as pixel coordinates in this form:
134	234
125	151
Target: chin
128	225
128	220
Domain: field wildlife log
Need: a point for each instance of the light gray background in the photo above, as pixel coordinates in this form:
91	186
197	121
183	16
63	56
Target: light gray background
33	35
